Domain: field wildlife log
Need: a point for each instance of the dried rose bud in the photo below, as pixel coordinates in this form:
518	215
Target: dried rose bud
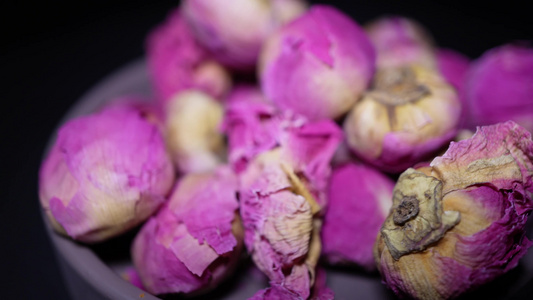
359	200
280	232
499	87
255	127
192	131
177	62
318	65
106	173
459	222
235	31
194	241
400	41
453	66
410	112
282	195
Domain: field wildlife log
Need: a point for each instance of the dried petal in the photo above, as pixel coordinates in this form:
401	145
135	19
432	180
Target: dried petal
195	240
359	200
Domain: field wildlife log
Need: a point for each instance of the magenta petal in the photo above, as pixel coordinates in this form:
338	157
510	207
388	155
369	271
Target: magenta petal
358	197
252	126
197	213
499	87
453	66
197	257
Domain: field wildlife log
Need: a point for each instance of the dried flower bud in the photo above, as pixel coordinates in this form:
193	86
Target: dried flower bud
453	66
177	62
400	41
234	31
280	232
106	173
317	65
192	131
195	240
359	200
499	87
254	126
460	222
282	192
409	113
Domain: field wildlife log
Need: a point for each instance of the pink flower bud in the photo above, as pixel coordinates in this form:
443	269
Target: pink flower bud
235	31
177	62
318	65
499	87
359	200
282	194
106	173
408	115
453	66
401	41
192	131
459	222
255	127
280	232
195	240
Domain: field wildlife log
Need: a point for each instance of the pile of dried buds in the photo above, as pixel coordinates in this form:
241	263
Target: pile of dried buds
278	130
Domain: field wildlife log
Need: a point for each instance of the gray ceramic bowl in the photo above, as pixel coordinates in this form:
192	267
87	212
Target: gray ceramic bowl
93	272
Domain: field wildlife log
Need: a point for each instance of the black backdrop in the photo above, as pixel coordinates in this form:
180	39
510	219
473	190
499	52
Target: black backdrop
51	52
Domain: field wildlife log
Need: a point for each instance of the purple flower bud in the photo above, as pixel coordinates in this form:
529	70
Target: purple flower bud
408	114
254	127
459	222
106	173
401	41
359	200
234	31
318	65
453	66
280	232
282	191
499	87
193	131
177	62
195	240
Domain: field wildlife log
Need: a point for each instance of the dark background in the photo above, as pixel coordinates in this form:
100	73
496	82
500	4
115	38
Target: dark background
51	52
